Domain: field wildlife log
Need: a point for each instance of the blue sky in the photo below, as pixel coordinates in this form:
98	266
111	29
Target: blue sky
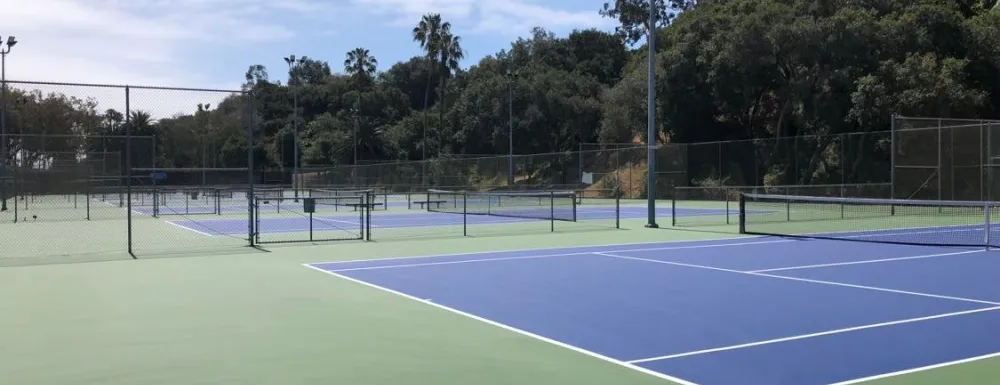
210	43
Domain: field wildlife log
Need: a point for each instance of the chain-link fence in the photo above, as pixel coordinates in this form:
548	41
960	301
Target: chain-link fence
949	159
78	161
799	160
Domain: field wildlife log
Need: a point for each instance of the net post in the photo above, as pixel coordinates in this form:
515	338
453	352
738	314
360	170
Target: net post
367	225
788	209
726	197
86	196
14	195
465	214
255	224
986	217
617	210
742	218
552	211
310	226
365	209
673	206
574	206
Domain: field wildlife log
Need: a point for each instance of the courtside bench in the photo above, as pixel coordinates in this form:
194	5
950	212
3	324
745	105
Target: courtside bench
437	203
355	206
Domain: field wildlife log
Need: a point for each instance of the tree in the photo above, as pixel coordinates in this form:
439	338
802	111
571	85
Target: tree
451	54
428	34
361	66
633	16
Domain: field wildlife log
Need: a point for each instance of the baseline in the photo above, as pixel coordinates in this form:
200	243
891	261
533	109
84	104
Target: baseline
525	333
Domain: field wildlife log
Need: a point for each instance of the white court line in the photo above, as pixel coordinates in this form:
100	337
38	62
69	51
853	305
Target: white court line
866	262
831	283
542	256
541	249
812	335
919	369
188	228
447	263
510	328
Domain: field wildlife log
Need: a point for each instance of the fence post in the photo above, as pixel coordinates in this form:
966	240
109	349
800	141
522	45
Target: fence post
128	165
250	152
940	172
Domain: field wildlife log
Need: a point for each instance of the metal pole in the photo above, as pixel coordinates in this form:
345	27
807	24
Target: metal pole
357	111
295	158
3	128
128	166
250	151
510	128
940	173
651	123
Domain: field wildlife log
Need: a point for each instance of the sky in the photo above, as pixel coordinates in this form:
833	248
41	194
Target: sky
210	43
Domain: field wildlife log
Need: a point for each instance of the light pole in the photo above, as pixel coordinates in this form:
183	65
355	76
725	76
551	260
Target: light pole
11	41
651	120
511	76
295	125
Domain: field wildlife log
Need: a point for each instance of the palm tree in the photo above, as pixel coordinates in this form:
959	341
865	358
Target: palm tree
451	53
428	34
361	65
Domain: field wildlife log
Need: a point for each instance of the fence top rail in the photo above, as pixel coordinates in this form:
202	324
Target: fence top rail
83	137
122	86
922	118
948	127
790	186
867	201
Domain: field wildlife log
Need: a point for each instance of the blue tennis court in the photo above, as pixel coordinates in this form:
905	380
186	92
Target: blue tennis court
289	224
763	310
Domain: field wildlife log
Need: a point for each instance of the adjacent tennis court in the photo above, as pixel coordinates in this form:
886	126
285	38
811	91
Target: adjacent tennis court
743	311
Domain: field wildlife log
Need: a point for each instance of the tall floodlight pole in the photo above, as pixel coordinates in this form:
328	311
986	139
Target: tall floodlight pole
295	126
651	120
511	76
11	41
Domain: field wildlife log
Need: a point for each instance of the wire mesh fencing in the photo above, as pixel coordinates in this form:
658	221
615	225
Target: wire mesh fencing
455	213
79	160
719	205
945	159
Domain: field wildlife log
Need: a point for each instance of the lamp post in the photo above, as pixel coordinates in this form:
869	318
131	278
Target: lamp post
651	120
11	41
295	126
511	76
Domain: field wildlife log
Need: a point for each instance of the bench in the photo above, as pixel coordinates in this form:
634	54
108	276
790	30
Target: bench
428	203
356	205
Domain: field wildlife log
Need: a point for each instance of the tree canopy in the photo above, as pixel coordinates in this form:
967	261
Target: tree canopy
727	70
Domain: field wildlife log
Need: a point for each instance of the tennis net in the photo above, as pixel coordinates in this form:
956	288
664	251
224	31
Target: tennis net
545	205
376	200
901	221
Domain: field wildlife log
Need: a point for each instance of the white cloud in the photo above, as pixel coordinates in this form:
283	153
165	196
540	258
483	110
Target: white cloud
146	42
504	17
